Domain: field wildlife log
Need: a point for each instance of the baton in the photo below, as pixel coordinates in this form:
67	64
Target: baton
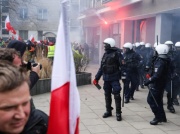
152	96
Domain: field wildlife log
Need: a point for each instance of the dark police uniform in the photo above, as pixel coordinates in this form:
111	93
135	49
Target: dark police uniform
131	64
169	86
156	88
110	69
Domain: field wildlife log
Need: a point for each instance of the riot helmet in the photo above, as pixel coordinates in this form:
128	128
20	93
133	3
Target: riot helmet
137	44
177	44
127	47
162	49
156	44
108	43
148	45
142	43
169	44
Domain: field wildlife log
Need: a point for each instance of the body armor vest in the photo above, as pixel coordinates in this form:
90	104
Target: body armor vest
131	61
110	63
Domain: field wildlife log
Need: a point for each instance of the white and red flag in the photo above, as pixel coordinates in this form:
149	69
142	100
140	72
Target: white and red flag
18	37
65	100
32	38
8	25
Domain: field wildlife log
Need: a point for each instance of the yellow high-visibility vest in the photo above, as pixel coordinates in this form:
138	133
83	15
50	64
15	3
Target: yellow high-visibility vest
51	51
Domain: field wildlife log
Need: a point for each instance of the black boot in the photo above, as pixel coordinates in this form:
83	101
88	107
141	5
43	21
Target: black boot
126	100
175	102
155	121
171	108
107	114
132	98
108	101
170	103
118	106
118	117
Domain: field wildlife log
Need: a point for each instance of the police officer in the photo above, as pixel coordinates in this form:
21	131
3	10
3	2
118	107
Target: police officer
110	69
142	53
157	82
176	79
138	51
169	88
149	56
130	66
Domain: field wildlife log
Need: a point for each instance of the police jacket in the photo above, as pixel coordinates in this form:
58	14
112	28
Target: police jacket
159	74
110	65
149	55
132	61
177	62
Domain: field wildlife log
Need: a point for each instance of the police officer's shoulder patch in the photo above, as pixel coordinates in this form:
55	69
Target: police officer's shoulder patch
155	69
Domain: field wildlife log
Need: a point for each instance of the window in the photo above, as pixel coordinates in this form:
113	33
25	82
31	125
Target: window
23	34
40	35
5	3
4	31
42	14
23	13
5	9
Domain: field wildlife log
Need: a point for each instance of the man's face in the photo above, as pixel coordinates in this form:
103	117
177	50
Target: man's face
14	109
17	60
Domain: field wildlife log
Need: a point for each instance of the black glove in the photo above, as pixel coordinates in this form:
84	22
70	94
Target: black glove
147	82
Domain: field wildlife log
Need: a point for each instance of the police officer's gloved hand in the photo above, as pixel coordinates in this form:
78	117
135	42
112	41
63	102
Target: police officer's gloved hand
95	82
147	82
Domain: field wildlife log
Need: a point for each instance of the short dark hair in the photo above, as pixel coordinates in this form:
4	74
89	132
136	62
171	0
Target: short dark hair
8	54
11	76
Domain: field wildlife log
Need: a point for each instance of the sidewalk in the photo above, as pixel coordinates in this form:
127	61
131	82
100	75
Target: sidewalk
135	115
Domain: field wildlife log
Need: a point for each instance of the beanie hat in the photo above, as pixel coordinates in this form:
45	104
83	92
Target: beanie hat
18	46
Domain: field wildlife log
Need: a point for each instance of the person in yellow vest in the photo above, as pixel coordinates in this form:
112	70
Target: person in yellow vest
51	48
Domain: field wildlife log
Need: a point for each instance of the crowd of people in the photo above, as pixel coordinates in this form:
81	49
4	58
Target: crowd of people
140	65
17	110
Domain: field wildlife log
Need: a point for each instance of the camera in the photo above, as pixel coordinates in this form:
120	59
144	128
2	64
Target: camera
30	64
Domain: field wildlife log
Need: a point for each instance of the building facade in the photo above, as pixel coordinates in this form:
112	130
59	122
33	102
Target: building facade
129	21
39	18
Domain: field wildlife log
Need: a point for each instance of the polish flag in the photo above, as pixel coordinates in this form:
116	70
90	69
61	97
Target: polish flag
12	37
18	37
8	25
65	100
32	38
